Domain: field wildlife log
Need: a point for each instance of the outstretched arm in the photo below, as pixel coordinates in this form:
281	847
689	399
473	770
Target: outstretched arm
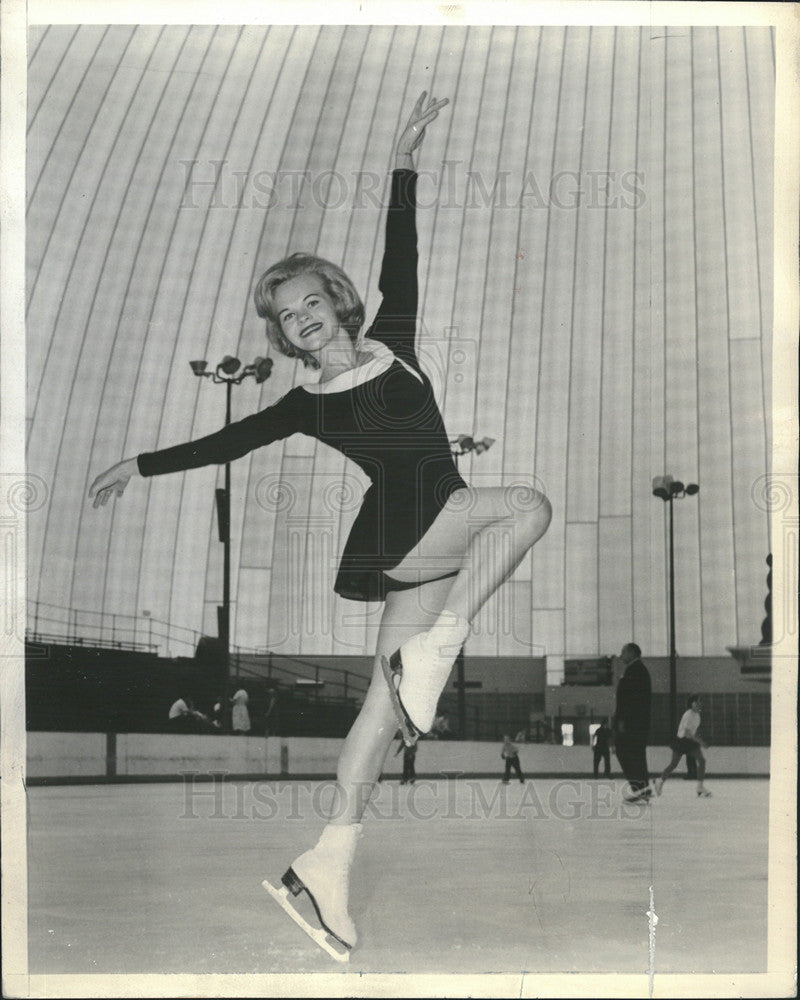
289	415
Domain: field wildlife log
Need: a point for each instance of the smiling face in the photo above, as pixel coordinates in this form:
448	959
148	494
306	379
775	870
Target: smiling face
306	313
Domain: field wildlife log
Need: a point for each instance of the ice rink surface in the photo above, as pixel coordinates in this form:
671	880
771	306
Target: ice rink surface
451	876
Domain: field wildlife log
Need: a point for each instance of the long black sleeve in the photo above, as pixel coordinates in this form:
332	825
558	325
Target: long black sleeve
395	324
286	417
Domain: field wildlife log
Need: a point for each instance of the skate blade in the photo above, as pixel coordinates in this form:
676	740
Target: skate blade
408	730
645	795
317	935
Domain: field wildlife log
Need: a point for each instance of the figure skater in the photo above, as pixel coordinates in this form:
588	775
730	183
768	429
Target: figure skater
687	742
422	541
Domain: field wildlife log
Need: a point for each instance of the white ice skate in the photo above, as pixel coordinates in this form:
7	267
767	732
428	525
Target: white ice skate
417	673
317	934
323	873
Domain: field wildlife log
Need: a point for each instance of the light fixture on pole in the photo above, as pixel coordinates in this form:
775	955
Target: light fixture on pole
225	374
668	489
463	445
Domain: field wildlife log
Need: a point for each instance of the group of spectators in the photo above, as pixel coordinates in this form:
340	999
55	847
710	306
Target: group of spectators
183	717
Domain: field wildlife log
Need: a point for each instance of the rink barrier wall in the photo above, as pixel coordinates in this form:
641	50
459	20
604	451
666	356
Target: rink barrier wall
68	757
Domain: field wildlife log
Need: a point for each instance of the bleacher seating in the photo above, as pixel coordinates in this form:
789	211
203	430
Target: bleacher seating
80	688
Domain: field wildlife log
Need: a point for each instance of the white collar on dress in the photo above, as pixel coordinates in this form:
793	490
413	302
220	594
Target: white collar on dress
382	358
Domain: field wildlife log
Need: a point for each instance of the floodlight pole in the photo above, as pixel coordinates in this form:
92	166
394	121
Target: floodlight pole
224	628
225	372
673	656
668	489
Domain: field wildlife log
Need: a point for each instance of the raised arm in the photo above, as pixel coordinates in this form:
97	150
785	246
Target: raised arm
396	321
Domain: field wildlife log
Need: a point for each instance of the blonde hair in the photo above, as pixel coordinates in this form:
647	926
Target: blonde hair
340	289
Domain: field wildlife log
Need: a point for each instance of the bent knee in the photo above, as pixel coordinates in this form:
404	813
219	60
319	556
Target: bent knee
545	510
521	499
531	508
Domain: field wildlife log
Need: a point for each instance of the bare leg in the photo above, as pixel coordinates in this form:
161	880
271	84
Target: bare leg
701	769
406	613
676	759
484	534
462	540
481	535
497	549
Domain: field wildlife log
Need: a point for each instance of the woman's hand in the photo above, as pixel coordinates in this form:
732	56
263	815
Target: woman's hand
112	482
412	135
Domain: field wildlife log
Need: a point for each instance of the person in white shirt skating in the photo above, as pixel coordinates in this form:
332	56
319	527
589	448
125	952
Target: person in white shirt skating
687	742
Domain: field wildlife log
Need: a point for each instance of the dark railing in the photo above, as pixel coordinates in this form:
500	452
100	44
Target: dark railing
79	626
52	624
47	638
320	679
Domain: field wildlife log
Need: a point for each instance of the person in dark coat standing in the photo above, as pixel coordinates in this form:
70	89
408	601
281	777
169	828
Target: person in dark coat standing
632	722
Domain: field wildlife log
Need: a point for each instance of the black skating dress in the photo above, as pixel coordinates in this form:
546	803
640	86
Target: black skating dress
389	424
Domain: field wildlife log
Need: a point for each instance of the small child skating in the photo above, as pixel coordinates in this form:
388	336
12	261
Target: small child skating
409	760
687	742
510	754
